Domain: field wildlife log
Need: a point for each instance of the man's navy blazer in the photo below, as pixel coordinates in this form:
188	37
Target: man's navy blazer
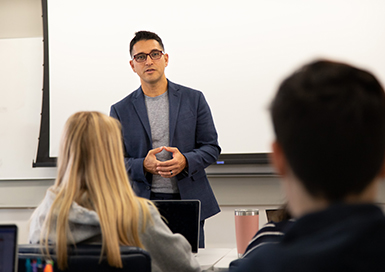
192	131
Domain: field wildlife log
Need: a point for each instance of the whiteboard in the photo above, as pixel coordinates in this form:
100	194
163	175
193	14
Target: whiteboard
21	77
235	52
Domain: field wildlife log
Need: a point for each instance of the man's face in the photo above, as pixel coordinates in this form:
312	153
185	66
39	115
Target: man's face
150	71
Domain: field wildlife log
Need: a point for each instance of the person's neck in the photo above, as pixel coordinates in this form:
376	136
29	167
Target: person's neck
155	89
302	202
368	195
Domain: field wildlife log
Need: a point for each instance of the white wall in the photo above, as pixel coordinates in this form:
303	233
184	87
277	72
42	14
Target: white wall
21	77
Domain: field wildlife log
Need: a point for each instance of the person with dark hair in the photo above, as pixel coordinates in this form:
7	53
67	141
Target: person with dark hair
168	131
329	123
145	36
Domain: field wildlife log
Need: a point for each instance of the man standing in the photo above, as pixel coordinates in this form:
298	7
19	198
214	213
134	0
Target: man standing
169	134
329	122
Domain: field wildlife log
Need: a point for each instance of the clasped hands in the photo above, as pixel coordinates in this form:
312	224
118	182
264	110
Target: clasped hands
166	169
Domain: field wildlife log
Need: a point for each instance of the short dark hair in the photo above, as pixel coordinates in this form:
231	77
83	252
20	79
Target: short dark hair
145	35
329	119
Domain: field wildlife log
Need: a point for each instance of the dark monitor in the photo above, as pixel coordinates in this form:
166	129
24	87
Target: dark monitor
8	248
182	216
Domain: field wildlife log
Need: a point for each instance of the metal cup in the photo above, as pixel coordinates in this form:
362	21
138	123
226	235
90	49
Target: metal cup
246	225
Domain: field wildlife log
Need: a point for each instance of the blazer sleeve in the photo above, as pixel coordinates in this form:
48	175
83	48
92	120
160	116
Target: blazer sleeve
206	149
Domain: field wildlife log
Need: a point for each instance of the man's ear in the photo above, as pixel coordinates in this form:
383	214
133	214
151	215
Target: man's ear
132	65
166	59
278	159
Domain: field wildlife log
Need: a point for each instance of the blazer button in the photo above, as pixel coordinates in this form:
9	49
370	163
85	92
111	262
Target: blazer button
148	187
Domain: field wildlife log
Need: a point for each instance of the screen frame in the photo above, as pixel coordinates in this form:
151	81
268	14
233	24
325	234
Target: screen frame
14	229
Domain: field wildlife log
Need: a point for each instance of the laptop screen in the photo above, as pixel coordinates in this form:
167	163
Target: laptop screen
182	216
8	248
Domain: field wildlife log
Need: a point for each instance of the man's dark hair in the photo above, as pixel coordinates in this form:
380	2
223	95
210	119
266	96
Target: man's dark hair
329	119
145	35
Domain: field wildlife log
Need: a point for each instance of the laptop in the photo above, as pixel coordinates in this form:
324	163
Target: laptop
8	248
183	217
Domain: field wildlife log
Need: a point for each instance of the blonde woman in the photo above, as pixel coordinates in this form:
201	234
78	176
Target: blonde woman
92	201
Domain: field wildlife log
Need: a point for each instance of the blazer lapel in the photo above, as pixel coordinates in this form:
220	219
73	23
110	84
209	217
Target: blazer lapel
174	97
140	108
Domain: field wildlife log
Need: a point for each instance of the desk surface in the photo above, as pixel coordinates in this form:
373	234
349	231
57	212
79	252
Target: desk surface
216	259
223	263
208	257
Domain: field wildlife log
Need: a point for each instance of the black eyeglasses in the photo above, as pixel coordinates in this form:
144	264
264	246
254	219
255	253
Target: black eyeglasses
154	55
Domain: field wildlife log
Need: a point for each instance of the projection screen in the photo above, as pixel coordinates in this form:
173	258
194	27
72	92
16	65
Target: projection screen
235	52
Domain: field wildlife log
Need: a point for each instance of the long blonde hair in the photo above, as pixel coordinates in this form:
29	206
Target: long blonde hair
91	172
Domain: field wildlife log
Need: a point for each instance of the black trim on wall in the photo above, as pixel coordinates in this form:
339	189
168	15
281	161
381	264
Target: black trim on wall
248	158
42	158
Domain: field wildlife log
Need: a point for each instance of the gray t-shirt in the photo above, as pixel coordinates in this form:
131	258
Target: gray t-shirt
158	115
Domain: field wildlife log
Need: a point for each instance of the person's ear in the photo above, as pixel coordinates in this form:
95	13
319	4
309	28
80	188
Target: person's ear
166	59
278	159
132	66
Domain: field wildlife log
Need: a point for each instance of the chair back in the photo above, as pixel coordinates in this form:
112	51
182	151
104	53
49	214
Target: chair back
86	258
